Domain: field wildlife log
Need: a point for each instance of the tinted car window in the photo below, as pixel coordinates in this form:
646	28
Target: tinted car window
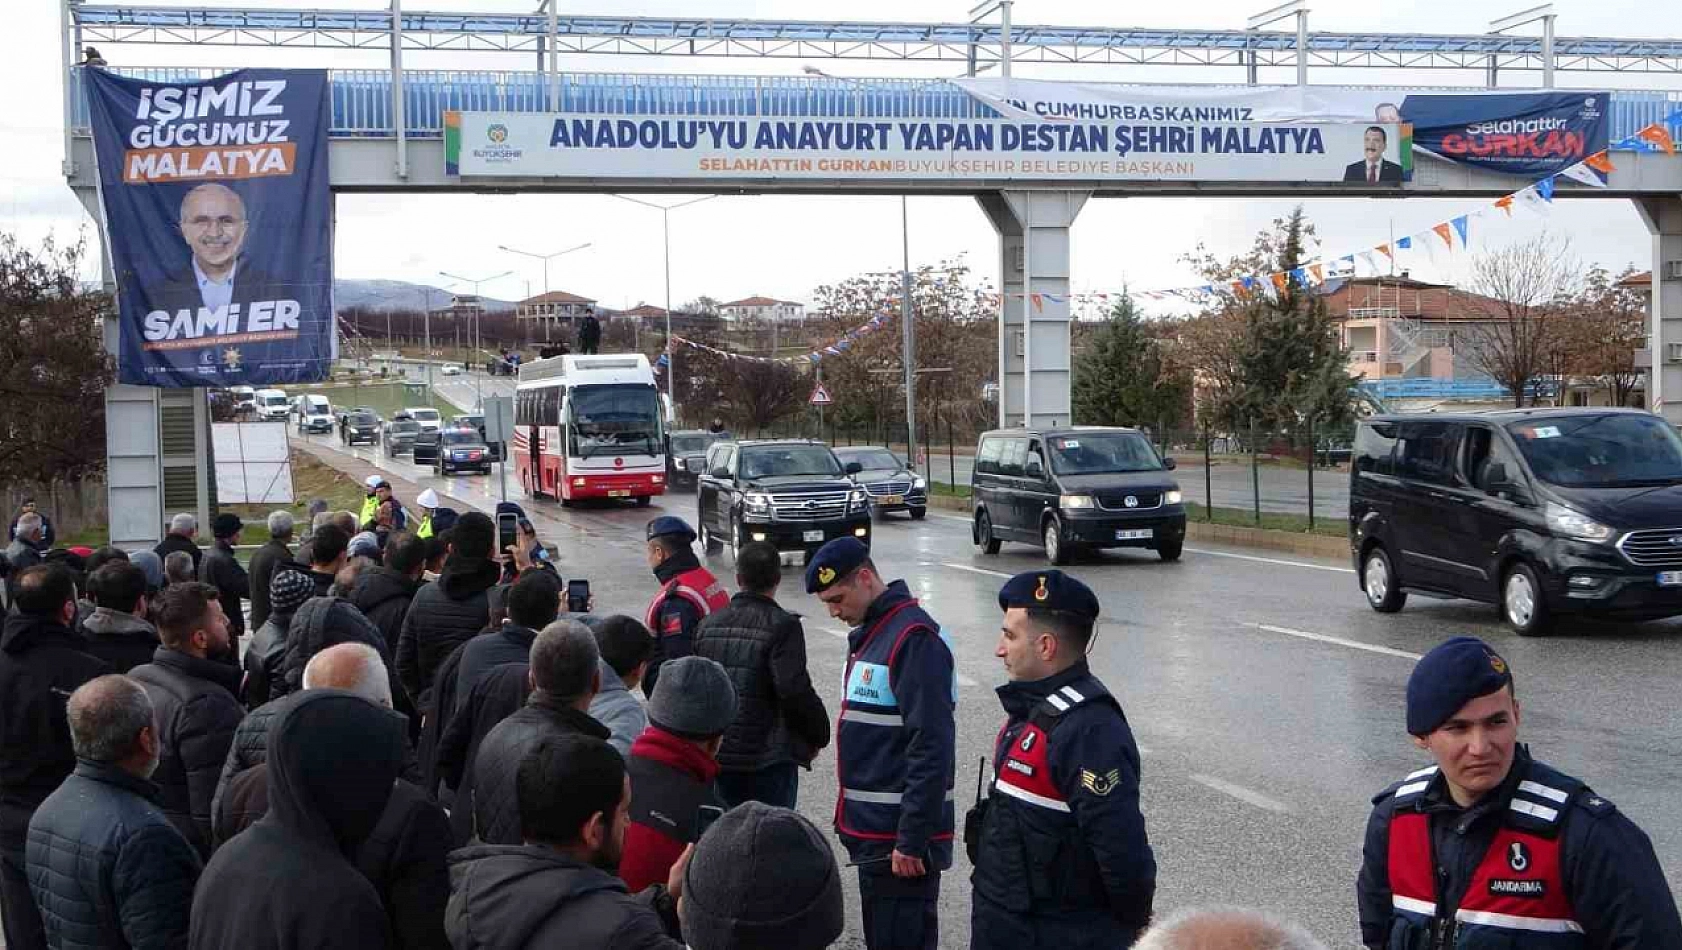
987	457
1015	454
1427	452
776	461
404	425
690	444
1090	453
361	419
461	438
871	461
1610	451
1375	443
1484	452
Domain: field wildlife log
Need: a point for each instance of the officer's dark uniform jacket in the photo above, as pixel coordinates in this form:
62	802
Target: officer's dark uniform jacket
894	741
1540	862
1062	838
688	592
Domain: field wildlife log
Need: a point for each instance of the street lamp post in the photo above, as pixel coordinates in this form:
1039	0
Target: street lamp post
479	301
666	246
545	258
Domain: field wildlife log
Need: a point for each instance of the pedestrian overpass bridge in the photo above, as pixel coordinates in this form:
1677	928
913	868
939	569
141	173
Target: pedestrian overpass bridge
388	127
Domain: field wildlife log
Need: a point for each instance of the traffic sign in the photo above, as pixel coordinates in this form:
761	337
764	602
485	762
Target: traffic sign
820	396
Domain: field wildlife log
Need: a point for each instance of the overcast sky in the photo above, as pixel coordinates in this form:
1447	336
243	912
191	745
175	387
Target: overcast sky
733	247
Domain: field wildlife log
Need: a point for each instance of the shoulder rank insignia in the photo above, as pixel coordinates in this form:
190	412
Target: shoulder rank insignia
1100	785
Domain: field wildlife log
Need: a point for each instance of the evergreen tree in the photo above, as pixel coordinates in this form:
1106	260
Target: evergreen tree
1122	379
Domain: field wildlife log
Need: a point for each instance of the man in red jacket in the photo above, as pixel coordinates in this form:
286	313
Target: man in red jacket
672	767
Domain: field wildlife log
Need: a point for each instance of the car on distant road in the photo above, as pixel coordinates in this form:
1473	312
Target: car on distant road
429	418
343	411
451	369
457	450
687	455
359	427
892	485
245	398
399	437
272	405
315	414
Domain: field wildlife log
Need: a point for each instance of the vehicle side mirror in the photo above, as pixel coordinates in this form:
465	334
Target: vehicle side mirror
1034	469
853	468
1496	479
1169	464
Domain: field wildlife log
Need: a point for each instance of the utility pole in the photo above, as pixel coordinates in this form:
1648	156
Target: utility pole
908	334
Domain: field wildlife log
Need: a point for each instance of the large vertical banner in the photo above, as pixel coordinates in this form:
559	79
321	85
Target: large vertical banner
220	219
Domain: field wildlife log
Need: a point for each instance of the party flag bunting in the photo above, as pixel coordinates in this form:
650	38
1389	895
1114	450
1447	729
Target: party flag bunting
1659	135
1462	225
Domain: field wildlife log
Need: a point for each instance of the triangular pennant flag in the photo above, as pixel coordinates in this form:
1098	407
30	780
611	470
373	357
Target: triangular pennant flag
1462	224
1370	260
1583	173
1600	162
1317	272
1659	135
1545	189
1385	250
1505	203
1403	244
1279	281
1299	276
1038	301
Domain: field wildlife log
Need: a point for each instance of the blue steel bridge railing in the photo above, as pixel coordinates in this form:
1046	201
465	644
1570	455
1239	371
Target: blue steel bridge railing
361	98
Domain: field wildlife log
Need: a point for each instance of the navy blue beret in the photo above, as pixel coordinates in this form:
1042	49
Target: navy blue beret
1453	674
833	562
1052	590
670	526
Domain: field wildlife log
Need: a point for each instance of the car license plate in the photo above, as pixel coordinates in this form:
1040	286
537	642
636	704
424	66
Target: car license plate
1670	578
1134	534
891	500
619	493
812	536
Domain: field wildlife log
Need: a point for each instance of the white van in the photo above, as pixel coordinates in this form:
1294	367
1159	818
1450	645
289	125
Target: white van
272	405
314	414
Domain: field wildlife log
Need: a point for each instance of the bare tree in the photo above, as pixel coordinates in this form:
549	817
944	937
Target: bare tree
1607	323
1522	295
762	392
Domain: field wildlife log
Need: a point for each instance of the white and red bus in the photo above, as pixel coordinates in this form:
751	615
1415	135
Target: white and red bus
590	427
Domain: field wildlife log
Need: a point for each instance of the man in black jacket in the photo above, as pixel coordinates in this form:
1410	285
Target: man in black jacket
564	676
383	592
320	623
182	529
221	569
42	661
265	657
290	880
194	696
782	723
533	602
107	867
327	557
24	551
267	561
406	857
117	630
446	614
554	885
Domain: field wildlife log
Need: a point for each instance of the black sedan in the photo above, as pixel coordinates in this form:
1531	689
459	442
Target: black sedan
688	455
892	485
454	450
476	422
400	437
359	427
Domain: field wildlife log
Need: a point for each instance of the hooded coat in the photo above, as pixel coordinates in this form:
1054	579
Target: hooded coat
290	881
508	897
442	617
324	622
383	595
120	638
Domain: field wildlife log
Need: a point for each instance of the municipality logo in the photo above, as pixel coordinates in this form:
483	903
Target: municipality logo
497	134
498	151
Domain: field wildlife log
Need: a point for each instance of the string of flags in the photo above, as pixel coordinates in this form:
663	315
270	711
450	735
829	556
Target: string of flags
1536	198
818	355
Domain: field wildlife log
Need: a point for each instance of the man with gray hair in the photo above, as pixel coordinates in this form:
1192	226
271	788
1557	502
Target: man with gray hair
107	867
267	561
182	529
353	667
1226	928
564	675
178	568
23	551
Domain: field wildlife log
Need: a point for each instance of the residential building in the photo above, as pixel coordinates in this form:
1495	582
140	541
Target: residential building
1408	338
553	309
769	309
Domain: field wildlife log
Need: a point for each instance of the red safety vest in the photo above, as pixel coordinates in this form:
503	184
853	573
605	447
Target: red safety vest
696	585
1516	898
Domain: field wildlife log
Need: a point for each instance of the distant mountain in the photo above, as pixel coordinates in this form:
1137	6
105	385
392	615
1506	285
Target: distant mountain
398	295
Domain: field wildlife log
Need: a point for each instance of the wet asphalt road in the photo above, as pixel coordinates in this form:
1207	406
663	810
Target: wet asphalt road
1266	697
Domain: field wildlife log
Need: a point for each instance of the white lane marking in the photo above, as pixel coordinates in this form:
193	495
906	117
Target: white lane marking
1338	641
950	518
1241	793
976	570
1274	560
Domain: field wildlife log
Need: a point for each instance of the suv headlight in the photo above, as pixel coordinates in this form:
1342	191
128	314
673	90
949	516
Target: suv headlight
1574	524
1077	501
1172	497
757	502
682	465
857	497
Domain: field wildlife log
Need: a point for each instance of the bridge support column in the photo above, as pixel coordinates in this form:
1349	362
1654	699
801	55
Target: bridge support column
1663	214
1034	363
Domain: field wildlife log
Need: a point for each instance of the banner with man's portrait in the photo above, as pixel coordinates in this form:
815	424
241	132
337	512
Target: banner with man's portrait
219	213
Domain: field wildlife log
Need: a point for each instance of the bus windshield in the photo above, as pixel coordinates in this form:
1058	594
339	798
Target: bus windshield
614	420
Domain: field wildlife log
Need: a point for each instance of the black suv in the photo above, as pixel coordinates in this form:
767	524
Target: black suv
399	436
1073	488
686	455
476	422
793	493
1542	512
454	450
357	426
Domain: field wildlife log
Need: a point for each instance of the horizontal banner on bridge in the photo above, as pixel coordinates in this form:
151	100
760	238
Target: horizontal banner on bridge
217	205
1518	133
514	145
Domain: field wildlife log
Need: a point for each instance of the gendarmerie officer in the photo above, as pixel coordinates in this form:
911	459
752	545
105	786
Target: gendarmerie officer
688	592
1491	848
1060	852
894	746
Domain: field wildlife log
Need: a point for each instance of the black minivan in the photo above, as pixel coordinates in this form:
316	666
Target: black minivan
1073	488
1542	512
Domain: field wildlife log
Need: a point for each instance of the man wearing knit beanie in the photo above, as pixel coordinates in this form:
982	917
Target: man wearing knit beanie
1494	846
672	767
762	878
